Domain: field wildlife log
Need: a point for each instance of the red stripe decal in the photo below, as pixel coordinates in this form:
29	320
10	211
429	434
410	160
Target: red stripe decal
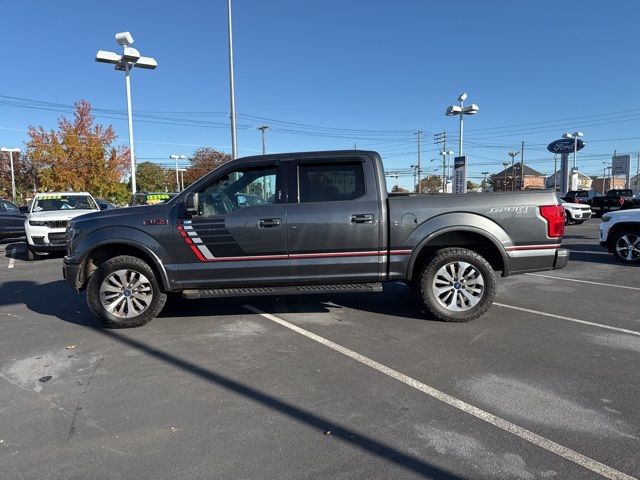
198	253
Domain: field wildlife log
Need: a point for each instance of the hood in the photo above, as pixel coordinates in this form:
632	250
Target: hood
631	214
576	206
115	215
58	214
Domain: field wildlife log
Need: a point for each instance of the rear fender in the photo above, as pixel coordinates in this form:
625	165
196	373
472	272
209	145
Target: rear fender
433	228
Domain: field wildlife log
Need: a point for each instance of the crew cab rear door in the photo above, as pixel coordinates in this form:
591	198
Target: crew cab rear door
238	237
334	220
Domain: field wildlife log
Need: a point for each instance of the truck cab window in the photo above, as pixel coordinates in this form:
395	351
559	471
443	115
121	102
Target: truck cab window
238	189
331	182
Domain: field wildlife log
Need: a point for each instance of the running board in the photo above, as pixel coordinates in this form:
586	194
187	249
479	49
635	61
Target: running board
284	290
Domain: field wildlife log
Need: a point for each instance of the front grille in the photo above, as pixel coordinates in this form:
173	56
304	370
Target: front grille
57	223
57	238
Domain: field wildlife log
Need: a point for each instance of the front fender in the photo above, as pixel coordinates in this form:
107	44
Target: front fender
430	230
129	236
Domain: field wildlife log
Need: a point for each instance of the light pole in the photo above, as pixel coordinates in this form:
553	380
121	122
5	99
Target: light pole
419	166
574	136
11	151
445	168
610	177
513	155
130	58
176	158
182	170
506	165
484	182
232	88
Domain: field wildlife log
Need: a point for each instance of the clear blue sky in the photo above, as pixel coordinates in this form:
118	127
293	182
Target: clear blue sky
536	69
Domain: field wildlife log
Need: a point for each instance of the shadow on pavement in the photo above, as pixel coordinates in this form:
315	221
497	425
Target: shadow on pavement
55	299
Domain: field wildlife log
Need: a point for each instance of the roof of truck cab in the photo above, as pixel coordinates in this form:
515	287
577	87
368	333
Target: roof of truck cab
321	153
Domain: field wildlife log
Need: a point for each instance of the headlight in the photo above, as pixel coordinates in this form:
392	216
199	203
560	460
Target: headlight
37	223
606	218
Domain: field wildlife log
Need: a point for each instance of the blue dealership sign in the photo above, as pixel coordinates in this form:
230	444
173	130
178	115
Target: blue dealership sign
564	145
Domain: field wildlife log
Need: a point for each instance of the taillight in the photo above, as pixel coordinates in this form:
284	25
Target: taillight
554	215
576	200
621	201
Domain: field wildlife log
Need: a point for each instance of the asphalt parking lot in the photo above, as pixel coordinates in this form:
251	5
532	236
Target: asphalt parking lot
330	386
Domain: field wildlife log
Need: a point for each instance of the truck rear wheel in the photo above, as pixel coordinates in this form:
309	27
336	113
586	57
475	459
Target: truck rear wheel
457	285
124	292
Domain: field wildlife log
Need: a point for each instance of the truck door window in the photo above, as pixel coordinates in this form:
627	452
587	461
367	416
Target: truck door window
331	182
239	189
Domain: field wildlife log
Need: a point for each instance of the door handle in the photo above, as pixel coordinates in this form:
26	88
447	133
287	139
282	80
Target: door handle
269	222
362	218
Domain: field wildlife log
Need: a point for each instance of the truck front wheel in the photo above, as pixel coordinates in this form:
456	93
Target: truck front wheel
123	292
457	285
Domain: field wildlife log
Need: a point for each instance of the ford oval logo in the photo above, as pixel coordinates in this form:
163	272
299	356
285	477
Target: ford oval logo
564	145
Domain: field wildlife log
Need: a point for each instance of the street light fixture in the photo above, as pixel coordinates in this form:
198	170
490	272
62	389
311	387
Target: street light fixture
513	155
176	158
11	151
462	111
130	58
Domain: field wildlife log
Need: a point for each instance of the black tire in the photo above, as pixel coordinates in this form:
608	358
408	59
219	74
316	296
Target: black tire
567	218
134	264
31	255
630	234
441	259
597	213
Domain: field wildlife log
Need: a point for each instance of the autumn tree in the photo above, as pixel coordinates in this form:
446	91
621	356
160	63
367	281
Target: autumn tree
79	156
151	177
203	161
431	184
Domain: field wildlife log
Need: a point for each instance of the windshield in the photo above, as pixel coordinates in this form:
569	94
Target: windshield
51	203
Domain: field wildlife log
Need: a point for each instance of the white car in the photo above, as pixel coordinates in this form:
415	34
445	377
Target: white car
48	216
620	234
576	212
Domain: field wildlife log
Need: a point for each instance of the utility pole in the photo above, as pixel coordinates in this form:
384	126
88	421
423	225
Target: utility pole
506	165
638	170
232	89
441	139
262	129
522	166
484	182
418	133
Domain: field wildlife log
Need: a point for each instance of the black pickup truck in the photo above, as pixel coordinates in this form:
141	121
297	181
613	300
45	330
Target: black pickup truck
616	199
326	224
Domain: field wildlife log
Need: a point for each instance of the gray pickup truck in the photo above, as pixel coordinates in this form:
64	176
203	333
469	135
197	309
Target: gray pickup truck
319	222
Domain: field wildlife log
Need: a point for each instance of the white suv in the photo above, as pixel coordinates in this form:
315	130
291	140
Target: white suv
576	212
48	216
620	234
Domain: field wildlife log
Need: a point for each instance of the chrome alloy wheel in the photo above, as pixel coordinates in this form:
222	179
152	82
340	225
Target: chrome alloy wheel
458	286
126	293
628	247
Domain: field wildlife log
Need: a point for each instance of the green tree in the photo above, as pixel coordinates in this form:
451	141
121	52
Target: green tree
471	185
431	184
79	156
151	177
23	174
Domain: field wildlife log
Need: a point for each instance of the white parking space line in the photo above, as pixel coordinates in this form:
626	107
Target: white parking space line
529	436
568	319
12	258
583	281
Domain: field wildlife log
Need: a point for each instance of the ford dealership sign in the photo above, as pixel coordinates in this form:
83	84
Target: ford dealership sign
564	145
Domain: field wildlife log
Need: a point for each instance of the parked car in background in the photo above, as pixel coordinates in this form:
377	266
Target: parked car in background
576	212
11	220
150	198
620	234
616	199
47	220
104	205
581	196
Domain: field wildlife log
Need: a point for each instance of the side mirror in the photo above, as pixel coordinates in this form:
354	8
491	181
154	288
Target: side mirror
103	206
24	209
191	203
